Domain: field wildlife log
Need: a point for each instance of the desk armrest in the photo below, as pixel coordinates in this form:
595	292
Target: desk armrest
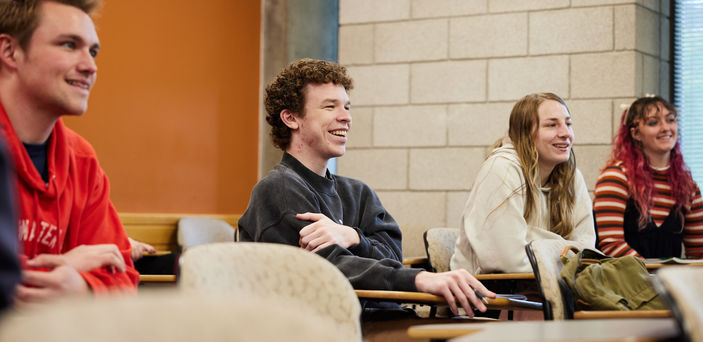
609	314
157	278
427	298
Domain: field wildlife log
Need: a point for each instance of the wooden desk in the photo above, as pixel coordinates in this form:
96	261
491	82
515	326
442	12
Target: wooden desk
427	298
407	262
157	278
505	276
651	267
611	314
596	330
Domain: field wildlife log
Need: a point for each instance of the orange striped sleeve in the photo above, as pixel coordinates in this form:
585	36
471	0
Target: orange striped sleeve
693	228
611	196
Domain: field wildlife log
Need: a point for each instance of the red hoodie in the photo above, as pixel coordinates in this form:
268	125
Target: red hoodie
73	209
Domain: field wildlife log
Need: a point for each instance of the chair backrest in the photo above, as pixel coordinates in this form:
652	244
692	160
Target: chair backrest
160	230
194	231
683	287
544	256
273	271
439	244
166	315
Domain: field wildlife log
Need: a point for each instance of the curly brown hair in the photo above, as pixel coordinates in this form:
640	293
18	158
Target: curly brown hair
287	91
19	18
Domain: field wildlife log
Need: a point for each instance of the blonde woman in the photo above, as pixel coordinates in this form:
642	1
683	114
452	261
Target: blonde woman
527	189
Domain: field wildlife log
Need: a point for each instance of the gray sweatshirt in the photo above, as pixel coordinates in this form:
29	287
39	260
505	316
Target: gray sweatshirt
291	188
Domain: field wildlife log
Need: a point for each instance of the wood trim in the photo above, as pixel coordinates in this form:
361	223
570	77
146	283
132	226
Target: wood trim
505	276
437	332
415	261
610	314
157	278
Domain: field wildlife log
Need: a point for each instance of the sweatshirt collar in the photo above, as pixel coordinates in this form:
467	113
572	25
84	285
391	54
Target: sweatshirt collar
325	184
56	157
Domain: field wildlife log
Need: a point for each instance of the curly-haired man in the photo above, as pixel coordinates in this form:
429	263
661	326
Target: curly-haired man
301	203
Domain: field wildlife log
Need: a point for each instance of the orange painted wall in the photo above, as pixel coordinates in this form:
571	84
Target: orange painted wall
173	115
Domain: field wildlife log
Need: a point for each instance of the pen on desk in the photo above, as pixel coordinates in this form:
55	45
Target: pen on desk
481	296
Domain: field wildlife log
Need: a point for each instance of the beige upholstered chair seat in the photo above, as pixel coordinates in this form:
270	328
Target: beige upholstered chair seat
194	231
439	243
274	271
170	316
544	256
684	286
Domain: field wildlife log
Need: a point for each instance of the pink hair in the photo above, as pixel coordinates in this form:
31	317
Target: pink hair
637	169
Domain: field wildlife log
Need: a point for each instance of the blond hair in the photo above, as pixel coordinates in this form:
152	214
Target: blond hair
524	120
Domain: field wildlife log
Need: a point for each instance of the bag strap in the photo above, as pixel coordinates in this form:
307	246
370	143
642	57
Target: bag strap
567	249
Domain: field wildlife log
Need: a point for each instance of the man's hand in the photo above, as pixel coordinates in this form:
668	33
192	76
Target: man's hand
83	258
324	232
454	286
140	248
38	286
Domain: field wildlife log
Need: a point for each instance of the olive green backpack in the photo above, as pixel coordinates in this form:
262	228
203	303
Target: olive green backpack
600	282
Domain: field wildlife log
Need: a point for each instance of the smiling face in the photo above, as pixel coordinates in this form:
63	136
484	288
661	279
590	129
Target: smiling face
554	135
321	133
657	132
57	69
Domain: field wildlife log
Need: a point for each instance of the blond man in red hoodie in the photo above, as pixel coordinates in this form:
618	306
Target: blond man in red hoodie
71	237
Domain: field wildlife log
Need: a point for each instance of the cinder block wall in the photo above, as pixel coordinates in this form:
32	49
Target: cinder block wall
435	81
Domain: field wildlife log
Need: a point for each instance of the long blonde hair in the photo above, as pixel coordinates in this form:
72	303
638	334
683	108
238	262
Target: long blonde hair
524	120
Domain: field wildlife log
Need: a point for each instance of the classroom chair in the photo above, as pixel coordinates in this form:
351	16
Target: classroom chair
289	274
198	230
167	315
544	256
439	245
682	288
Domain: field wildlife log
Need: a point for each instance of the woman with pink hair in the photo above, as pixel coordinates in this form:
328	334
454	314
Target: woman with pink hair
646	202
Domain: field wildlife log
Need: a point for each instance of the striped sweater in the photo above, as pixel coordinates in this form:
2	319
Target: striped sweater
611	197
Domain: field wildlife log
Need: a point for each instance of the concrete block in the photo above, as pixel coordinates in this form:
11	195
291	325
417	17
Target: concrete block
380	84
513	78
478	124
410	126
613	74
453	81
415	212
456	200
581	3
361	134
367	11
444	168
664	79
446	8
665	7
624	28
619	107
571	30
379	168
525	5
590	159
647	39
665	39
356	44
488	36
654	5
650	75
592	121
420	40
